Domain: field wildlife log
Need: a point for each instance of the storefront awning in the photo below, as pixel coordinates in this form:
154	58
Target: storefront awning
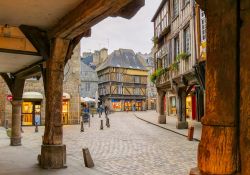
66	96
32	95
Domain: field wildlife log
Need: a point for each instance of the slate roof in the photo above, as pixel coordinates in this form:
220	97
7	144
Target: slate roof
124	58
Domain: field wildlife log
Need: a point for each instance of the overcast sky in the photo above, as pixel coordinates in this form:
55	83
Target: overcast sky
115	33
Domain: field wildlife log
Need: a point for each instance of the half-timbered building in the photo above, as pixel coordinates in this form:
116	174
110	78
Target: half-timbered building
175	58
123	81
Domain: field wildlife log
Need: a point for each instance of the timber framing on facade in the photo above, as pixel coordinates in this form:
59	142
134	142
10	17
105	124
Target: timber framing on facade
175	57
40	36
123	82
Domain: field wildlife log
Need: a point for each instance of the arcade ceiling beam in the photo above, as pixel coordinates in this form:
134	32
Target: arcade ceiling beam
89	13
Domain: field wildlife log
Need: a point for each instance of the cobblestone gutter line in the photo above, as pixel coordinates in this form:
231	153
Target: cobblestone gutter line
195	139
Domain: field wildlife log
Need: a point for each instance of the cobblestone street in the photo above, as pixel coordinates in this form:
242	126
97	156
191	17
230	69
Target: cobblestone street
129	147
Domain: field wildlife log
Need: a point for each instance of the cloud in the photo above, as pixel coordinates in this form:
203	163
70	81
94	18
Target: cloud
115	33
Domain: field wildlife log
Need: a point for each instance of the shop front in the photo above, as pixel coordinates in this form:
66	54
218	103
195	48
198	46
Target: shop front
65	108
31	108
172	109
138	105
127	105
116	105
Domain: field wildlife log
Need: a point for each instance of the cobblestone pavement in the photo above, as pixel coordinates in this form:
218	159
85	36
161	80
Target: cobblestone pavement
129	147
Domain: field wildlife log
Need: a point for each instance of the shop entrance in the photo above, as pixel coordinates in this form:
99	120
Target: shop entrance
31	113
138	105
127	105
65	112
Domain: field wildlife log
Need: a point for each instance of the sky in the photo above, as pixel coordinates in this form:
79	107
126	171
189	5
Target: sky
115	33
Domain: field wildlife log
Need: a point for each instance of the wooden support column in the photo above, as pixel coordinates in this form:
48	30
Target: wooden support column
181	109
17	92
53	152
15	139
217	152
15	86
245	87
162	116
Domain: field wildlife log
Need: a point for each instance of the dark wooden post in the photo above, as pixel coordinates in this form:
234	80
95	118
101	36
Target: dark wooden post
162	116
16	86
181	110
245	87
53	152
15	139
218	153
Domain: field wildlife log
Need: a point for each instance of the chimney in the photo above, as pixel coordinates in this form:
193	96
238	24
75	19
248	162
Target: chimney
103	54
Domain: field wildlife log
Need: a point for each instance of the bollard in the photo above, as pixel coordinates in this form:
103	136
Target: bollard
101	127
82	128
190	133
36	128
107	122
89	121
6	124
88	161
92	114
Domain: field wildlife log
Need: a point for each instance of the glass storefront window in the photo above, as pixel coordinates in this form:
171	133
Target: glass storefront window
173	105
65	111
117	105
31	113
189	106
27	113
127	106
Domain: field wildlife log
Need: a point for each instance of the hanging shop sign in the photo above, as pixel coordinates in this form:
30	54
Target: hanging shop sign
9	97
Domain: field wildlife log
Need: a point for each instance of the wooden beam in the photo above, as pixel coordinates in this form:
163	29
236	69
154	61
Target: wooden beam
74	42
38	38
89	13
7	80
130	10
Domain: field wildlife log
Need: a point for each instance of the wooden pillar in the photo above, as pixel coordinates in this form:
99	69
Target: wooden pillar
217	152
181	109
53	152
16	86
15	139
245	87
162	116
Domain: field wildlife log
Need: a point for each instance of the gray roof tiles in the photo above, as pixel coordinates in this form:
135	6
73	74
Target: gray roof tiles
124	58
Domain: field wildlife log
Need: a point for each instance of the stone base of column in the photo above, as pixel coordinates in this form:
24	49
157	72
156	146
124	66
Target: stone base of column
52	157
162	119
181	125
15	141
195	171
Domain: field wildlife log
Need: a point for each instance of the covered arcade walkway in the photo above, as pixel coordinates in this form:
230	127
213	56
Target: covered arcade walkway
38	37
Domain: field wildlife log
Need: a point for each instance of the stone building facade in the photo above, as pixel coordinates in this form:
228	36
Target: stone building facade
148	61
89	81
33	108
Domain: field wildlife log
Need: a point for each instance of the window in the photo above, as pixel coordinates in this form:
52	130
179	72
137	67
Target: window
119	77
136	91
119	87
187	40
185	2
161	21
137	79
203	25
175	8
87	86
176	47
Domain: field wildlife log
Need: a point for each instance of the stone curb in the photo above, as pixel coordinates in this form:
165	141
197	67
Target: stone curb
195	139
